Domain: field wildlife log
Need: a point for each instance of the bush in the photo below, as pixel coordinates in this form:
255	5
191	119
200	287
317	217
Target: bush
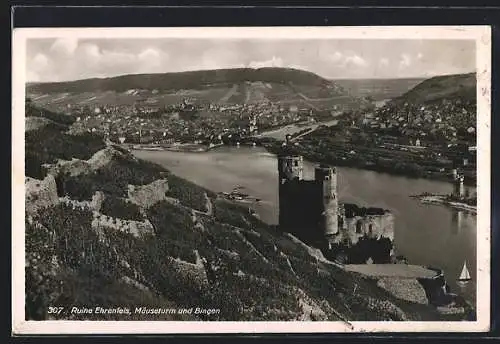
119	208
187	193
232	214
33	111
48	144
112	179
83	187
173	223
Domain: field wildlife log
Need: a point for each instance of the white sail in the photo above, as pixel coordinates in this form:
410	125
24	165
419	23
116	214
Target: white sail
464	275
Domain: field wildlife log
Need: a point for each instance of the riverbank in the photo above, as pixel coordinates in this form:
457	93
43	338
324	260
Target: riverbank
187	147
442	200
362	158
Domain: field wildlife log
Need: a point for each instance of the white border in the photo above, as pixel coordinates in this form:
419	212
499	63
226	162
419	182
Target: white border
482	36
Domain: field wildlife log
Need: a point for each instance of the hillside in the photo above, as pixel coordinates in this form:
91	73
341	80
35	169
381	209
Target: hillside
451	87
378	89
222	86
105	228
183	80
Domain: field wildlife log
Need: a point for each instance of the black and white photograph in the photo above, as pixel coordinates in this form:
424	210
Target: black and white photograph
179	180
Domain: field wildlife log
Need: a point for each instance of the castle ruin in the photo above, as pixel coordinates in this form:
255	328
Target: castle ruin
310	209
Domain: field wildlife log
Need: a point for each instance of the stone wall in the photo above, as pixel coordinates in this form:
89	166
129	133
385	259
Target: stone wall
40	193
373	226
147	195
76	167
135	228
95	204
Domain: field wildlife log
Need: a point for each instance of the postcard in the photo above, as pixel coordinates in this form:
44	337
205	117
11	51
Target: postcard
242	180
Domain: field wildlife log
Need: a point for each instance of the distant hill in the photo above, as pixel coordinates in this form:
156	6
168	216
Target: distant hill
222	86
450	87
183	80
378	89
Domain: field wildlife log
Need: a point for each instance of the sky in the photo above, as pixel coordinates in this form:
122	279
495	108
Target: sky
66	59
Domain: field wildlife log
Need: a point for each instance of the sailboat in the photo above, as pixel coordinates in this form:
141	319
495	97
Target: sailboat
464	275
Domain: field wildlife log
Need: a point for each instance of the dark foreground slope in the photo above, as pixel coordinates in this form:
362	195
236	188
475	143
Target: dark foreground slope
102	237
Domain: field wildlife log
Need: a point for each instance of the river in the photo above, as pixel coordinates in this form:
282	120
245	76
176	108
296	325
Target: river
425	234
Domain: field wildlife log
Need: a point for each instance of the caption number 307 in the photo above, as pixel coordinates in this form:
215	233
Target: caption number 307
55	310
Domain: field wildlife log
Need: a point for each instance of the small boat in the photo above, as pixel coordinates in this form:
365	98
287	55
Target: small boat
464	275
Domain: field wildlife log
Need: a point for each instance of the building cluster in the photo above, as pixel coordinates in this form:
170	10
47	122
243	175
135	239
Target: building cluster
186	122
445	121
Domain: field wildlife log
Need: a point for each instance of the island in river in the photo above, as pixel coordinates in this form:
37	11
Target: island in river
447	201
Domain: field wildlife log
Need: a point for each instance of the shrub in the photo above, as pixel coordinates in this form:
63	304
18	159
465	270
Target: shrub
48	144
119	208
187	193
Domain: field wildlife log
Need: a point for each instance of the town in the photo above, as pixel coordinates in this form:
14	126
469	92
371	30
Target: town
422	140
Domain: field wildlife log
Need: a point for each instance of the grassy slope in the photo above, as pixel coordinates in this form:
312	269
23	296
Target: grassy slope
461	86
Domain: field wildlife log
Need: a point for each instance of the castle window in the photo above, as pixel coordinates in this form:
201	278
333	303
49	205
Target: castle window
296	163
327	178
370	228
358	227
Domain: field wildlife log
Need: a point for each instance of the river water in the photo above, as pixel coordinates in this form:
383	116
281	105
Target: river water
425	234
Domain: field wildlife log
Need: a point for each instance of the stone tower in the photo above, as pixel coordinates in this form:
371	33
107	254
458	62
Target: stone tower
290	173
459	190
458	184
328	177
290	167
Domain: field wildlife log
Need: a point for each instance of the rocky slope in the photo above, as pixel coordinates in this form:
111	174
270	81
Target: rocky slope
108	229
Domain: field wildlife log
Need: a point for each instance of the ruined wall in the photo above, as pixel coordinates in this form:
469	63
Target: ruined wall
40	193
147	195
76	167
373	226
135	228
95	204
